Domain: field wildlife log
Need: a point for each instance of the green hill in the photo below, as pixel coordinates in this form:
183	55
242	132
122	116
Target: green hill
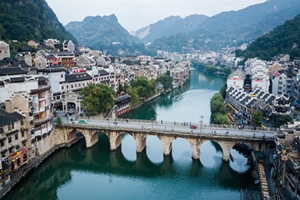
23	20
234	27
284	39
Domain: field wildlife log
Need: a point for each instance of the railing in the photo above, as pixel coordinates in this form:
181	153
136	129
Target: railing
176	123
164	130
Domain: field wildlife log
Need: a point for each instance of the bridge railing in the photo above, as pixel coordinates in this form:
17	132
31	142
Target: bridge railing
171	131
178	123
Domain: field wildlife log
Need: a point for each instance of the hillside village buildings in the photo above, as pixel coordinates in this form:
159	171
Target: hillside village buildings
49	81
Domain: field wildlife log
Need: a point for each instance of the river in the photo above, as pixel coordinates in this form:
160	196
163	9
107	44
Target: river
98	173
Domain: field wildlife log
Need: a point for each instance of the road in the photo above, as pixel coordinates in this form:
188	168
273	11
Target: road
176	127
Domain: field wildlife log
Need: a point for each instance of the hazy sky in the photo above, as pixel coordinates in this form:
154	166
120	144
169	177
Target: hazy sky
135	14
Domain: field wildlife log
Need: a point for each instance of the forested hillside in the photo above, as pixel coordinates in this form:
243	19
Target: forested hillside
24	20
284	39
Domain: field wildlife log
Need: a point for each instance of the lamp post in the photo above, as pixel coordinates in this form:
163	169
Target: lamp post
152	122
201	117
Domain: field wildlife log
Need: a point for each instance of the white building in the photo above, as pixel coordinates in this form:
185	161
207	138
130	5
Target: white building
260	76
4	50
236	79
279	83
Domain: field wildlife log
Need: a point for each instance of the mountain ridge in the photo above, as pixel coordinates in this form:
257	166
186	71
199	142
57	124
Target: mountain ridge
31	19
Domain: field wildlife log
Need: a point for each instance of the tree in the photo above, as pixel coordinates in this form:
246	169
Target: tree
218	110
257	118
283	120
97	98
166	81
220	119
120	88
59	121
134	96
223	91
145	87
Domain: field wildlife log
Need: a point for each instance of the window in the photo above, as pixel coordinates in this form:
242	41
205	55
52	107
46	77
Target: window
67	86
22	122
58	98
62	87
13	125
71	86
2	143
16	137
1	130
61	76
9	140
23	133
9	127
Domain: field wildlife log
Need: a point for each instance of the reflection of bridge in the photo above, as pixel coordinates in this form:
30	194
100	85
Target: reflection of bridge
225	137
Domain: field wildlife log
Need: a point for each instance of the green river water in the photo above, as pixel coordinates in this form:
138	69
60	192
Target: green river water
97	173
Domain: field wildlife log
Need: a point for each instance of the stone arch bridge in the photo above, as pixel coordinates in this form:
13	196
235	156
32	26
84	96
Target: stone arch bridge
259	141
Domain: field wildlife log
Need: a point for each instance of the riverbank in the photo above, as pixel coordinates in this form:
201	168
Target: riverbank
33	164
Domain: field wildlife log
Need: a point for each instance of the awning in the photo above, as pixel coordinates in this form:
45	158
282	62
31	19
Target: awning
233	108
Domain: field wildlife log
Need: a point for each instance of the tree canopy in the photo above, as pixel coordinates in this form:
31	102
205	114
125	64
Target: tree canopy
166	81
282	40
257	118
145	87
97	98
218	110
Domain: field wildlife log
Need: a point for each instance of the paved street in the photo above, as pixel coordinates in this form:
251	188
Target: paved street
182	127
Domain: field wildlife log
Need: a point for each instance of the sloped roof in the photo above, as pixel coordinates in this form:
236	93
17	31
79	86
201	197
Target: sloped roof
77	77
11	71
103	72
8	118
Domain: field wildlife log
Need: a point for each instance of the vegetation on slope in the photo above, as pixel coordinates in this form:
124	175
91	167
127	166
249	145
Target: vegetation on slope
284	39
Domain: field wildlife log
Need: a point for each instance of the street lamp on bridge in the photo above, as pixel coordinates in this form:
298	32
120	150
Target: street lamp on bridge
201	118
152	122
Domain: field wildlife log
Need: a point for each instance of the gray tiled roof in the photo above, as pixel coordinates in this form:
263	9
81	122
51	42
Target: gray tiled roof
11	71
8	118
77	77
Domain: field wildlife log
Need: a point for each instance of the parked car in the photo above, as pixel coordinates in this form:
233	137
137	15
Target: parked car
82	121
193	127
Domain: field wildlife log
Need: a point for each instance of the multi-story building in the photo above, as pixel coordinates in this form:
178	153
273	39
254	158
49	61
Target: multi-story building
260	76
69	46
12	139
279	83
285	165
4	50
236	79
39	92
122	103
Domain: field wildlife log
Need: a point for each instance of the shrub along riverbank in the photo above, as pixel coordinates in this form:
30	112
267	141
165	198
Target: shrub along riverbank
217	107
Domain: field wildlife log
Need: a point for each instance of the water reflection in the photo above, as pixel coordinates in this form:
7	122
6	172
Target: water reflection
128	147
239	162
211	154
154	149
98	173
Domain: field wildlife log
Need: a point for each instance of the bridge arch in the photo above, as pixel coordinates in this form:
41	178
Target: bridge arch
154	149
211	153
240	157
